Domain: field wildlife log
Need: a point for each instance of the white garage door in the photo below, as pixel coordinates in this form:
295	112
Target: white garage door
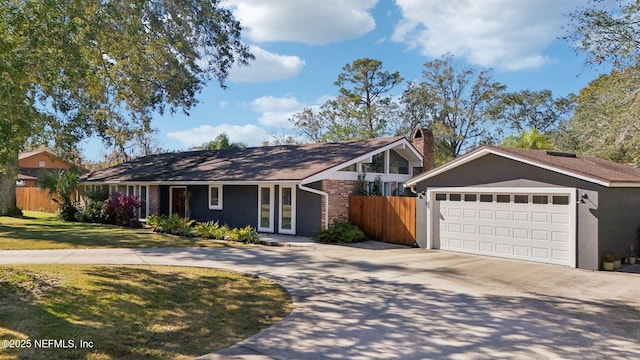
527	226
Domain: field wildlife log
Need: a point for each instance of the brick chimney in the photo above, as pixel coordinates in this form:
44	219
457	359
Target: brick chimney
422	140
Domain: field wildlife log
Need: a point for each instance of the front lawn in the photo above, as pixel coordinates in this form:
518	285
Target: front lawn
37	230
131	312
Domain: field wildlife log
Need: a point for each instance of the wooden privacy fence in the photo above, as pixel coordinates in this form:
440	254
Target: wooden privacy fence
32	198
390	219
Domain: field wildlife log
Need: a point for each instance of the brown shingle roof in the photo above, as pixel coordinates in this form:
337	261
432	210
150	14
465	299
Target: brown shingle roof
585	167
267	163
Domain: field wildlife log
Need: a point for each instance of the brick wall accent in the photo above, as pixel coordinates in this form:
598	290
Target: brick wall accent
423	141
339	191
153	198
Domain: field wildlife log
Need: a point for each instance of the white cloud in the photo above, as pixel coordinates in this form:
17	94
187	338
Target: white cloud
276	111
306	21
506	34
267	67
248	134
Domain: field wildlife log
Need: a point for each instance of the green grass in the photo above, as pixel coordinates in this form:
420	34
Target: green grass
133	312
38	230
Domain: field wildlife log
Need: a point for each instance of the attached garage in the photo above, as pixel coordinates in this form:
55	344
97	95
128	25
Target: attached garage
531	205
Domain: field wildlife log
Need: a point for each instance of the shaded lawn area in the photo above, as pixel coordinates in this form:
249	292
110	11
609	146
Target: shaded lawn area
133	312
38	230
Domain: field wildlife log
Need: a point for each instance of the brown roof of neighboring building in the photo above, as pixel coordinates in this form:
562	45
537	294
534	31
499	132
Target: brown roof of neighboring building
585	167
267	163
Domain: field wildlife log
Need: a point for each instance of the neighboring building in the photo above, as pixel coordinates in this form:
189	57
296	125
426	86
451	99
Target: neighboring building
533	205
34	163
288	189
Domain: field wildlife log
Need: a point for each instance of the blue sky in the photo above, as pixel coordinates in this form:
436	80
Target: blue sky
302	45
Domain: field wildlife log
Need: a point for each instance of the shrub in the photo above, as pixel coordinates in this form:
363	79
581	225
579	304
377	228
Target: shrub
173	224
121	209
210	230
345	232
93	211
246	234
67	211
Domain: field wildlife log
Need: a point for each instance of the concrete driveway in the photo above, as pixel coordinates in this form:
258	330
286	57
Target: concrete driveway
386	302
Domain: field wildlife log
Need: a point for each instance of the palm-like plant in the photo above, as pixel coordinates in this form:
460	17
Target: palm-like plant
533	140
61	185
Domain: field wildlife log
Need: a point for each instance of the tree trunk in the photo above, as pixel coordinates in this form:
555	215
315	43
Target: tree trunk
8	176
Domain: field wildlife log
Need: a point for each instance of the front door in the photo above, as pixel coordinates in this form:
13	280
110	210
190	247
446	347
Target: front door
178	201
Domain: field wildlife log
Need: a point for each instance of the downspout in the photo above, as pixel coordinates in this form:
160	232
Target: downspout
326	201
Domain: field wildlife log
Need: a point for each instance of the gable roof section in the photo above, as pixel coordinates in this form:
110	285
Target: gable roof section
584	167
267	163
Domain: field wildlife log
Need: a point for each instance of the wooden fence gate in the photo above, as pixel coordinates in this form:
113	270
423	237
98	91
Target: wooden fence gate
32	198
390	219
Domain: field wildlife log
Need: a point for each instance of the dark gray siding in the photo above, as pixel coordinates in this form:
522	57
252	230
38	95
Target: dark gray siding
493	170
619	213
308	213
239	205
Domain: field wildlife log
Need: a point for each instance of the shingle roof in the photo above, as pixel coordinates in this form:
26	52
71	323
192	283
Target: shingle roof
267	163
585	167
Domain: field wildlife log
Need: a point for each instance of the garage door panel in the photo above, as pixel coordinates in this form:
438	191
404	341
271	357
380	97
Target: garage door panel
520	216
539	235
520	233
504	249
540	217
503	215
540	253
536	232
519	250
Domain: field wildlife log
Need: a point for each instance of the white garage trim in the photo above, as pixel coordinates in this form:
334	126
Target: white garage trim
571	192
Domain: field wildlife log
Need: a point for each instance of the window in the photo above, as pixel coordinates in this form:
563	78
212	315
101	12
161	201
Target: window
143	202
441	197
42	163
215	197
397	164
351	168
470	197
455	197
503	198
540	199
486	198
521	199
560	200
376	165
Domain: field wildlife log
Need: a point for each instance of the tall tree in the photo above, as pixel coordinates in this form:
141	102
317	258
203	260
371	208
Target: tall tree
455	102
607	121
364	84
533	110
607	31
76	68
362	110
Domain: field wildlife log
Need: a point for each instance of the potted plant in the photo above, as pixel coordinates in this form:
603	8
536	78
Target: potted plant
608	262
617	262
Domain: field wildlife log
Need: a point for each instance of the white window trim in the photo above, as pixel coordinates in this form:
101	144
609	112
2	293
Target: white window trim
219	206
271	208
291	231
146	203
